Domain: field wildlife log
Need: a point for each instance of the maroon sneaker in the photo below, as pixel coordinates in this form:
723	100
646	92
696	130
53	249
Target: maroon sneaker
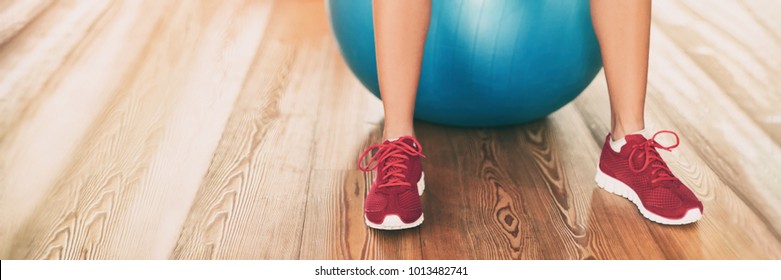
640	174
393	201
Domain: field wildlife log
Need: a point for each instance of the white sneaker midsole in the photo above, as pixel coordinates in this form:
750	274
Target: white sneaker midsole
617	187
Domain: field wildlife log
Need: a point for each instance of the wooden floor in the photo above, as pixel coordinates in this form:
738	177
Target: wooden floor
229	130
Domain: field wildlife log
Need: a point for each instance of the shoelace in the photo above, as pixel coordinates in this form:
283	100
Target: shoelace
653	159
394	155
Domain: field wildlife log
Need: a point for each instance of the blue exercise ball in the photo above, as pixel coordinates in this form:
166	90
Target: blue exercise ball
486	62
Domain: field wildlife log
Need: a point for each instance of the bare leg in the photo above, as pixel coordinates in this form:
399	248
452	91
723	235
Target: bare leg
400	28
623	29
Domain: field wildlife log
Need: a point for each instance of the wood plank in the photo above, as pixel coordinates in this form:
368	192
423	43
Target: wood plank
16	15
732	47
132	179
767	14
30	61
334	226
252	201
447	232
496	223
357	112
47	107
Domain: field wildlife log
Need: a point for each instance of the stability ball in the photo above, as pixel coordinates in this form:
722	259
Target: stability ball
486	62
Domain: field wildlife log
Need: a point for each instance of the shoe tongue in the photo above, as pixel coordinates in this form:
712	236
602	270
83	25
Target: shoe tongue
405	140
638	161
633	139
392	159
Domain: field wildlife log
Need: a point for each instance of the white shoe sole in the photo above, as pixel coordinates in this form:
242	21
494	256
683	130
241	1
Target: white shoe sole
394	222
617	187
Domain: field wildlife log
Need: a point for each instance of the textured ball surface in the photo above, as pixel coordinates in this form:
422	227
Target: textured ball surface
486	62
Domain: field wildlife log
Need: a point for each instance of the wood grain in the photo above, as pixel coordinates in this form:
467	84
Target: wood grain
17	15
229	130
48	90
137	155
747	76
253	198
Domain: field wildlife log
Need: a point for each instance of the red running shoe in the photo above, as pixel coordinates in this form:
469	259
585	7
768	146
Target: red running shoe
393	201
640	174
